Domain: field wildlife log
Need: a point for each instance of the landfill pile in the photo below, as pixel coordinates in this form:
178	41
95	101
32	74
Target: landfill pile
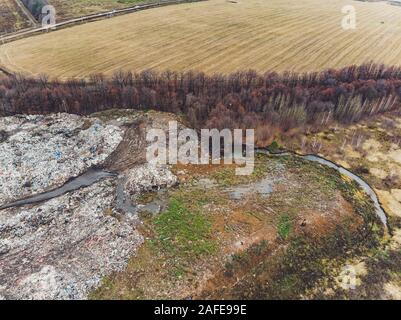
61	248
42	152
148	177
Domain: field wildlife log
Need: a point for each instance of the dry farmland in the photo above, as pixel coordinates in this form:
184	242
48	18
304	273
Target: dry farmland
216	36
11	17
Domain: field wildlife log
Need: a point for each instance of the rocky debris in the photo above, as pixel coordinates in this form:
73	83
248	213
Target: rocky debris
4	247
148	177
45	283
63	247
43	152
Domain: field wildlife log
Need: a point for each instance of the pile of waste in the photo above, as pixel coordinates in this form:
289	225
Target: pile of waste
62	247
42	152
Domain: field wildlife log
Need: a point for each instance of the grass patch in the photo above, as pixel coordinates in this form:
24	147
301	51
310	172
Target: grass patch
187	239
305	262
361	203
181	232
330	180
284	226
274	147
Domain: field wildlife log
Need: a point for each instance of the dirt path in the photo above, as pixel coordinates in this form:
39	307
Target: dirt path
92	17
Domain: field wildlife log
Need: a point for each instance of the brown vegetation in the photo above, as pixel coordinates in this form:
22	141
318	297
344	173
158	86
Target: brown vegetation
11	17
269	103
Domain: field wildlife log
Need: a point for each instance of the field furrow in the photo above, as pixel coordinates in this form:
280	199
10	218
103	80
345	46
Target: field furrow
216	36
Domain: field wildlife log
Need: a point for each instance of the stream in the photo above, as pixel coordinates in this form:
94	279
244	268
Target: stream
94	175
362	183
86	179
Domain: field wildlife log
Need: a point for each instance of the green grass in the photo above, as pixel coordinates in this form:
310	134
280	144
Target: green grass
182	232
274	147
361	203
284	226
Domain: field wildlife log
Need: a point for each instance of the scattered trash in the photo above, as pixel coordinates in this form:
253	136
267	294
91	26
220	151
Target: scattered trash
57	155
62	247
49	150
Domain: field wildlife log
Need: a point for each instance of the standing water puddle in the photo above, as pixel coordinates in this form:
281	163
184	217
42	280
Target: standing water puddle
123	201
263	187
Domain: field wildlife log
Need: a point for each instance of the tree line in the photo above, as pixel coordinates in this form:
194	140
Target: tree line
266	102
